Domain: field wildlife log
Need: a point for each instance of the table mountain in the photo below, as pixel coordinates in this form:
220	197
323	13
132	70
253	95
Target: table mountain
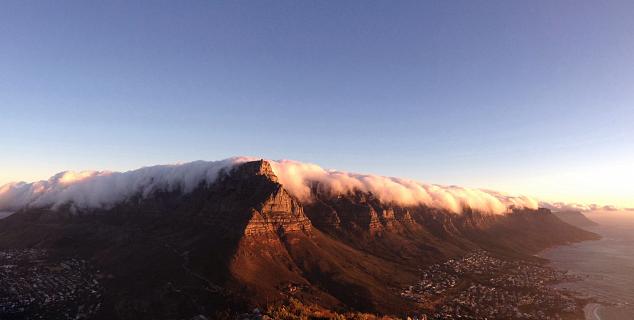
245	241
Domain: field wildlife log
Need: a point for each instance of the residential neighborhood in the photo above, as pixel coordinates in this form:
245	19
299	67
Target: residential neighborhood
34	286
480	286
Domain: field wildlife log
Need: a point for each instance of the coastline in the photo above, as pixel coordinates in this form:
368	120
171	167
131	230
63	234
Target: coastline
591	310
593	230
606	266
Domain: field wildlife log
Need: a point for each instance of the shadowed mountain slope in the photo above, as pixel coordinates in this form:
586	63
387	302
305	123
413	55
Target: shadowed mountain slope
575	218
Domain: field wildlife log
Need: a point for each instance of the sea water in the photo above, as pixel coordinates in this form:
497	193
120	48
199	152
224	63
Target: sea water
606	267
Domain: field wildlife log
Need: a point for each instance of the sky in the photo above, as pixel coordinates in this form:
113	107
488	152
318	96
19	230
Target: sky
530	97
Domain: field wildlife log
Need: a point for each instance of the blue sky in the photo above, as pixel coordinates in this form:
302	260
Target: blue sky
533	97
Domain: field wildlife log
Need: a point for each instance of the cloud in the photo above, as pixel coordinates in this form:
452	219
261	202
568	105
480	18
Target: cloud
104	189
298	177
562	206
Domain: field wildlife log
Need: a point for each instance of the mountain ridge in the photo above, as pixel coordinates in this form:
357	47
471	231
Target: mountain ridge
105	189
244	240
575	218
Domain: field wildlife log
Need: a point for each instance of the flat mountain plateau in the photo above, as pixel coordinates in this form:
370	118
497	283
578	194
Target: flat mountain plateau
245	242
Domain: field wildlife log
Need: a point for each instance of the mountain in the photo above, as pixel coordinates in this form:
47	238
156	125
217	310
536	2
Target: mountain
575	218
245	240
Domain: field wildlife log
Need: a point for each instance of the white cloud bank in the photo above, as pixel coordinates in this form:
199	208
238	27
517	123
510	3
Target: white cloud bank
297	177
103	189
562	206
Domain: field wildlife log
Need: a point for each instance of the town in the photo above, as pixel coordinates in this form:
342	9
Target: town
34	286
480	286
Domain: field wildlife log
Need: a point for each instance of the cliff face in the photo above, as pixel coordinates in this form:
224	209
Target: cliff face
281	212
269	207
245	240
400	233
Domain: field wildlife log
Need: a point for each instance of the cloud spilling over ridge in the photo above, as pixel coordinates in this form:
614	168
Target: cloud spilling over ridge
104	189
297	177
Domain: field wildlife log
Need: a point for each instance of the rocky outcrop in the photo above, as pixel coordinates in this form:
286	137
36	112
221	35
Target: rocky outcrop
279	213
248	170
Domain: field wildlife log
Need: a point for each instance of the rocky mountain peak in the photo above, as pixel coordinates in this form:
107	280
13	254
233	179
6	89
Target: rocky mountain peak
258	168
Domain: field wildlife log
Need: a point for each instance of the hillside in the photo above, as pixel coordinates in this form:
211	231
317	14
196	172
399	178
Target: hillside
246	241
575	218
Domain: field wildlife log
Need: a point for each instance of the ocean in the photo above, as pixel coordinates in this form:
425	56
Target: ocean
606	265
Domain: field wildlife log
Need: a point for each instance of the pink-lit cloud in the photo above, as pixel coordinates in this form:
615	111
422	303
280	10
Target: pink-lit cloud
103	189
